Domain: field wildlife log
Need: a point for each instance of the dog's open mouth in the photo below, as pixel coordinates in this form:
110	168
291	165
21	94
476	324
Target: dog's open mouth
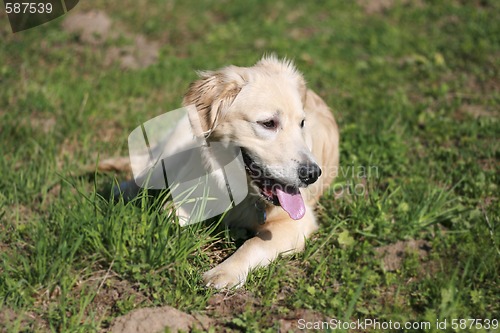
286	196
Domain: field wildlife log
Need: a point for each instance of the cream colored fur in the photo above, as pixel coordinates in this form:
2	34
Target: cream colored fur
231	102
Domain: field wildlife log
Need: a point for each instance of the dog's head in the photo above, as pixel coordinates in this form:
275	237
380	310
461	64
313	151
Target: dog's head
261	110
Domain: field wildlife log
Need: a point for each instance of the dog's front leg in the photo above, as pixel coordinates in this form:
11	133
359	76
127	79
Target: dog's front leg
281	235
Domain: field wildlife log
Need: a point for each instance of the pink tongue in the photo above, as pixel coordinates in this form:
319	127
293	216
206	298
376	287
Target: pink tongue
292	203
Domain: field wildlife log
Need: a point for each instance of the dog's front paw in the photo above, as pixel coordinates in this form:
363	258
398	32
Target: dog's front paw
224	276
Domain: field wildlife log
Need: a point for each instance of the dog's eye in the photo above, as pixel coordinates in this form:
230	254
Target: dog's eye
302	123
268	124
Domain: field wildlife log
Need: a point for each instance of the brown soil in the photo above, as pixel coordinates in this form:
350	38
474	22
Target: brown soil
154	320
393	255
95	28
379	6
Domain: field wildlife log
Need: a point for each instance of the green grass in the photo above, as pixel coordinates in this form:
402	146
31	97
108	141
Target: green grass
416	92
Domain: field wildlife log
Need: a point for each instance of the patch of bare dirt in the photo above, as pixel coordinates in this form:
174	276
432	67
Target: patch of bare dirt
475	111
299	32
141	54
109	131
93	27
16	214
393	255
303	33
153	320
39	122
371	7
290	322
485	88
68	151
224	306
227	304
3	247
44	124
489	200
96	29
375	6
392	296
113	164
111	291
7	318
24	322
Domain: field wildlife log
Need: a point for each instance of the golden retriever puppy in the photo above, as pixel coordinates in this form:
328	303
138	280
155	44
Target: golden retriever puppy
290	146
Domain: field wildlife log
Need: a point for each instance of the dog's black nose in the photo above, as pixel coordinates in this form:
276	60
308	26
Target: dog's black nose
309	173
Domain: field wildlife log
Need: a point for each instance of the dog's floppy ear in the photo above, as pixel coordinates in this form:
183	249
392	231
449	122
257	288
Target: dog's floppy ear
213	93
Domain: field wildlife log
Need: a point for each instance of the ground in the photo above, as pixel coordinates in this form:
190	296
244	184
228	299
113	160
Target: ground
409	231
